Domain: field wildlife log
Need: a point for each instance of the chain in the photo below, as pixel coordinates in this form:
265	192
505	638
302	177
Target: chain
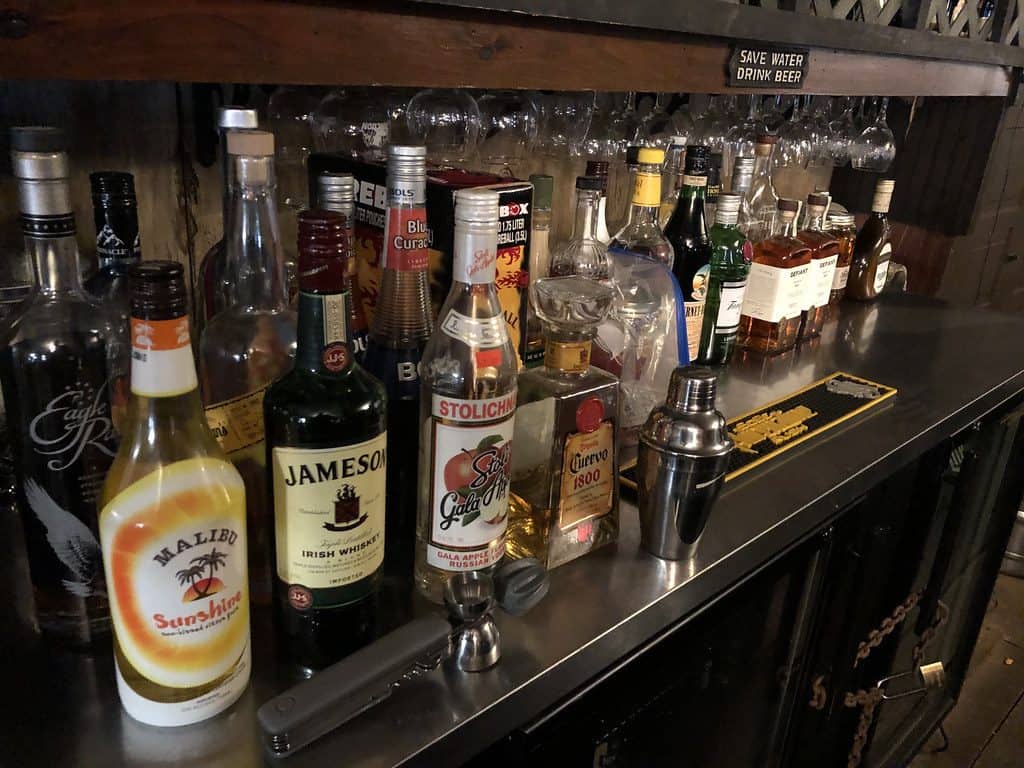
867	700
941	615
889	623
819	693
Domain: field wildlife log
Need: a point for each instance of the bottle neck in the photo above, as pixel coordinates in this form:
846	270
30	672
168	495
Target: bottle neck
585	224
49	229
55	260
646	196
117	233
762	164
815	218
255	259
162	362
785	224
324	332
566	355
541	219
694	187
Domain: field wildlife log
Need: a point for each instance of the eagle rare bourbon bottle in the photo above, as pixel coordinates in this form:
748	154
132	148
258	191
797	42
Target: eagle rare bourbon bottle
327	450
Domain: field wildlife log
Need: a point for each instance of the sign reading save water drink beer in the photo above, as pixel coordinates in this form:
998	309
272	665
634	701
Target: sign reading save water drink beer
755	65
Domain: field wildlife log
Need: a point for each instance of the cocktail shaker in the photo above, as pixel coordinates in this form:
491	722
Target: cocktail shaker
683	457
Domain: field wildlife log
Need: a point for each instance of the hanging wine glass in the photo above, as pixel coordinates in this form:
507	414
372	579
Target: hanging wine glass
564	119
508	129
793	147
740	140
774	112
713	126
602	141
352	121
660	126
626	122
289	117
875	148
447	122
842	133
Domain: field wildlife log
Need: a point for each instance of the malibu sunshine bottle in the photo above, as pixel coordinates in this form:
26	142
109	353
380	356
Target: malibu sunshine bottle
172	527
467	405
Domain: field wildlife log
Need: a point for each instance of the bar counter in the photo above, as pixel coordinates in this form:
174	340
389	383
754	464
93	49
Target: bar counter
951	366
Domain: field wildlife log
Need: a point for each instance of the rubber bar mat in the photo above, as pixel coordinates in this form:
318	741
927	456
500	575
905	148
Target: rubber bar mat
771	430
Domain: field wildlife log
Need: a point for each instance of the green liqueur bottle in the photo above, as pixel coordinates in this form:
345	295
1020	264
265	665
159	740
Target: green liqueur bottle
727	281
327	450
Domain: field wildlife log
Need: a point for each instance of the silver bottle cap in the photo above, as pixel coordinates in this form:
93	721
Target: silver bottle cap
841	220
407	174
476	206
728	208
742	174
40	163
235	118
336	191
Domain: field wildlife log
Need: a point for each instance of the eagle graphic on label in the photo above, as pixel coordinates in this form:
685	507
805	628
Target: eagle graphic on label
346	510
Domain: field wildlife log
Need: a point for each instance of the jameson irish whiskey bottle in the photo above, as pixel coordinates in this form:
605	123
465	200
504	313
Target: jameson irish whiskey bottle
584	254
400	330
173	527
872	250
824	255
564	466
687	230
641	234
770	320
729	266
336	192
599	169
327	446
55	366
467	411
212	287
251	342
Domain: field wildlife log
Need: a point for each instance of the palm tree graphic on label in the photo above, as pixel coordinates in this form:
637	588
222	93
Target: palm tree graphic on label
193	576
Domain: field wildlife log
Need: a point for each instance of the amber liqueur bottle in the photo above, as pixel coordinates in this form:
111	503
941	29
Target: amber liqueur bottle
824	255
872	250
770	319
327	448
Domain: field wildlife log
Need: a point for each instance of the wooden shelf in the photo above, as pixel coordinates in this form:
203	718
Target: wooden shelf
417	44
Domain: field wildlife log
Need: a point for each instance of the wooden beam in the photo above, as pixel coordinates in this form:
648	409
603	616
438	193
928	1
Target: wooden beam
392	43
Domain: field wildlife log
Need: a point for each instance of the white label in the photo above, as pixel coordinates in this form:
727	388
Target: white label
883	267
162	364
839	280
477	332
469	485
374	134
475	261
824	272
730	306
774	293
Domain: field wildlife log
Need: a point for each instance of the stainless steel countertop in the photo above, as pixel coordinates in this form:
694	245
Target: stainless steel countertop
950	366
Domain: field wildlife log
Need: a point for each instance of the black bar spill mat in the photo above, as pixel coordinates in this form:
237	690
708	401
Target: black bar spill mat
773	429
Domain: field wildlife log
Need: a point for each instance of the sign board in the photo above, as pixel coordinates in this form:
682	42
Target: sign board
754	65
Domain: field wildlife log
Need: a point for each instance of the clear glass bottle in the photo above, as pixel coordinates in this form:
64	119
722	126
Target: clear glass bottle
843	226
728	269
672	178
467	411
56	364
742	179
770	320
762	197
212	285
336	192
399	332
173	527
564	466
872	250
327	449
624	183
539	263
584	254
642	234
824	255
599	169
251	342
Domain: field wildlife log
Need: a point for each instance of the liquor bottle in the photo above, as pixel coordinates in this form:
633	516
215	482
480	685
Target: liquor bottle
672	178
539	263
641	234
399	332
843	227
467	411
56	357
770	320
327	446
714	185
564	466
824	255
251	342
173	527
742	178
599	169
872	250
584	254
212	287
624	186
762	197
336	192
687	230
729	267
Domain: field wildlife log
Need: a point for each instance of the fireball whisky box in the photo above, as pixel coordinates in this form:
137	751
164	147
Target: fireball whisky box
514	208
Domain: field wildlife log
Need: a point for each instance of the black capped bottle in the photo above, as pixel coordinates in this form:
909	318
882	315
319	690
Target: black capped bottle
327	450
872	250
116	214
57	366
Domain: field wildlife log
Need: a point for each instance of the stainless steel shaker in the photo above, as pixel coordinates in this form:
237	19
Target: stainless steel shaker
684	454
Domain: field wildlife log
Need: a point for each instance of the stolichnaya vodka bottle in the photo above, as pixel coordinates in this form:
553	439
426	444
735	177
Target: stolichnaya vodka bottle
467	409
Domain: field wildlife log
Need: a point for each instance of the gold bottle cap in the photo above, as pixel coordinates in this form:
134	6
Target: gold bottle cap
651	156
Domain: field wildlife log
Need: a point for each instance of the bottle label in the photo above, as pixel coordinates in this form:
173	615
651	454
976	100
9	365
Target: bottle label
824	275
475	260
375	134
730	306
237	423
469	485
647	191
47	227
882	271
775	293
839	280
587	475
694	181
329	517
694	323
571	357
174	546
406	239
476	332
110	247
162	364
